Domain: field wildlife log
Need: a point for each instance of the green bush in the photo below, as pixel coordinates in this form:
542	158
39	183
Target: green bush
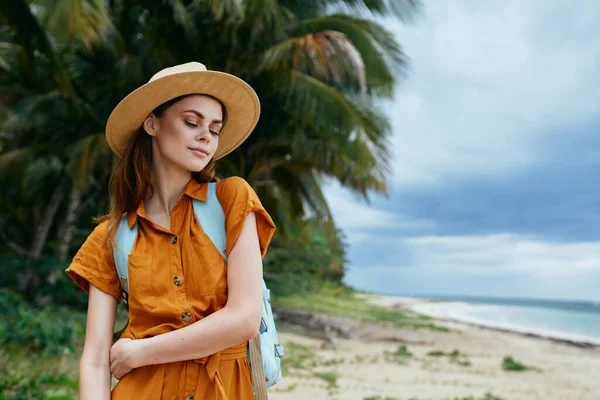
50	329
17	386
455	357
47	281
297	357
510	364
313	258
400	356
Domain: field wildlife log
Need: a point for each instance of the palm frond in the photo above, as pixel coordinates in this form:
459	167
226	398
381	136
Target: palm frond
183	17
401	9
310	190
264	14
352	162
231	11
33	38
384	61
81	20
326	55
319	105
277	204
41	175
84	154
15	161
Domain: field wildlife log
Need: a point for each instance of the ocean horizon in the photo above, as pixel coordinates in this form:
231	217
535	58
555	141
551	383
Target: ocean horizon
574	320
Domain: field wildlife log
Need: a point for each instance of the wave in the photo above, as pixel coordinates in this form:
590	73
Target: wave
502	318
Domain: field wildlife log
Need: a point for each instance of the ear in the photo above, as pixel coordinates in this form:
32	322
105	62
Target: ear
151	125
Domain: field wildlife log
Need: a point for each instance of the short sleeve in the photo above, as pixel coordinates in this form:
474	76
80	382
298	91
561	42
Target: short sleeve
238	199
94	264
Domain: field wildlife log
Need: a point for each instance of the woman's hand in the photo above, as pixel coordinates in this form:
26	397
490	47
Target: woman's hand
122	356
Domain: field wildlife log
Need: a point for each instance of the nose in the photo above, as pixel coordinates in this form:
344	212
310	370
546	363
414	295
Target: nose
203	133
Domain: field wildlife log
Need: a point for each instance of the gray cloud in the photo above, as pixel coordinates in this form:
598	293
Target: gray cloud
497	148
557	198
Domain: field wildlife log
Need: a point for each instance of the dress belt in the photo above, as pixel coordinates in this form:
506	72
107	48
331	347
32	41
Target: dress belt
213	363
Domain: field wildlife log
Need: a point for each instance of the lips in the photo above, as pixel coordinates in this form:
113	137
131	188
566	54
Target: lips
199	152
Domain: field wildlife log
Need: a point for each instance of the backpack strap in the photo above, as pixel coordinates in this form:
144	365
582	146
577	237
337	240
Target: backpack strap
211	217
124	239
258	372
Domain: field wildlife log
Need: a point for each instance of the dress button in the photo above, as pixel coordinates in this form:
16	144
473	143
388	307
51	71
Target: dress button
186	316
173	239
178	280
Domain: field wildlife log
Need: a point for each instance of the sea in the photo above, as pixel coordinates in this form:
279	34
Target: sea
566	320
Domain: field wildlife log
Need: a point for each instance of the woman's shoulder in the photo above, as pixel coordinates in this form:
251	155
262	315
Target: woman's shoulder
236	192
232	183
238	199
98	228
100	231
233	187
97	241
94	264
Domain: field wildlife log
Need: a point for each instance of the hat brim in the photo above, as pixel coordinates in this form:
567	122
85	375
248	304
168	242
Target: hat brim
243	107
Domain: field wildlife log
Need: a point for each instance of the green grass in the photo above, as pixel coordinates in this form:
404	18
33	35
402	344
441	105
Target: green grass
301	360
39	352
297	357
40	349
512	365
332	361
329	377
400	356
487	396
288	389
349	305
455	357
436	353
25	375
364	359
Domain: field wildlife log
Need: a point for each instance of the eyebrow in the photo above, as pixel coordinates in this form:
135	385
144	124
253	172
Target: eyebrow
214	121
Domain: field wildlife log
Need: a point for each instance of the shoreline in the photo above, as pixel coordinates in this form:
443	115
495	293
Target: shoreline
437	308
467	362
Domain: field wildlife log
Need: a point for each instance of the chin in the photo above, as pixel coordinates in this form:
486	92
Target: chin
196	166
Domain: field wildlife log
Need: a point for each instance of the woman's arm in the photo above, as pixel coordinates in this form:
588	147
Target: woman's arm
238	321
94	368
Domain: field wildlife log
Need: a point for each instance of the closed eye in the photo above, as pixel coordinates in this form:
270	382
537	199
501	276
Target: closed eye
192	125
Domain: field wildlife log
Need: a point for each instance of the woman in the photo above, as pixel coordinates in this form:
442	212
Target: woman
190	312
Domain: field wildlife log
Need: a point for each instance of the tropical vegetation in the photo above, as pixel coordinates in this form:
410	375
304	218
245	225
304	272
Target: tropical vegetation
320	68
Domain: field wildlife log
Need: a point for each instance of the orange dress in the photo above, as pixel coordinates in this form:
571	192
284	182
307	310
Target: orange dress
177	277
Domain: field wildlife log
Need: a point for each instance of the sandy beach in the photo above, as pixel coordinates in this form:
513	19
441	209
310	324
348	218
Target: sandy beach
385	363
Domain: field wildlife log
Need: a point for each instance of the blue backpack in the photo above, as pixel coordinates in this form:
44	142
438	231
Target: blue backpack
212	219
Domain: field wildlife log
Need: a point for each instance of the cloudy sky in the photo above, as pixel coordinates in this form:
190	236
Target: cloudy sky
496	138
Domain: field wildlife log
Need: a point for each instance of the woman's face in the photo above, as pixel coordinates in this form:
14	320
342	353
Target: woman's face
187	134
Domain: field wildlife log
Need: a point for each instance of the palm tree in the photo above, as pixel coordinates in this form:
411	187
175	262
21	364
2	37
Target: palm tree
32	91
318	70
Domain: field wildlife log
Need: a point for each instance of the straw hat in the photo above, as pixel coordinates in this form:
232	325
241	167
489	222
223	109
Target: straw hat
243	107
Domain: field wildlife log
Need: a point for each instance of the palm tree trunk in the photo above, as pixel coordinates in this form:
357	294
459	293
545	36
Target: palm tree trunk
43	228
67	228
